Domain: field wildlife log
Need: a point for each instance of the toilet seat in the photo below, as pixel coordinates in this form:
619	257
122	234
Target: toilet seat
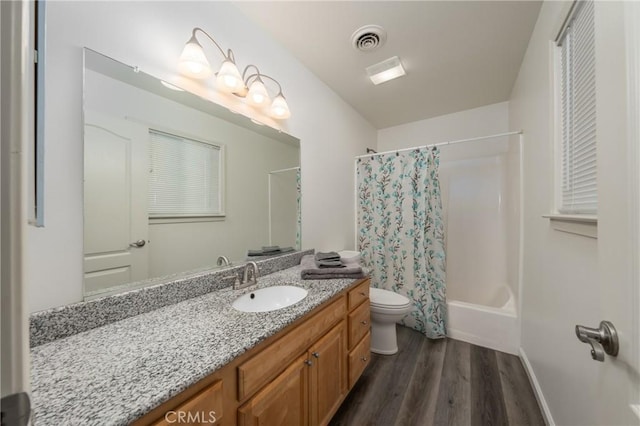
387	299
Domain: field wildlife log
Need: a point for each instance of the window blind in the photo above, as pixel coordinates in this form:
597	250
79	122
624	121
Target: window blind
184	177
578	113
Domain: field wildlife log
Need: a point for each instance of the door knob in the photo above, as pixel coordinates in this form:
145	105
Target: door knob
603	339
139	243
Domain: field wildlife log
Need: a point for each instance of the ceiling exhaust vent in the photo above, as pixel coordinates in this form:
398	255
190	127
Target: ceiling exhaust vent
368	38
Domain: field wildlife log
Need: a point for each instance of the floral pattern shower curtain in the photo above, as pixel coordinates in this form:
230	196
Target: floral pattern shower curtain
401	232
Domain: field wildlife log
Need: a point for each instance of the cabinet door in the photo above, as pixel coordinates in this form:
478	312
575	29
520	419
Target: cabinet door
283	402
205	408
328	385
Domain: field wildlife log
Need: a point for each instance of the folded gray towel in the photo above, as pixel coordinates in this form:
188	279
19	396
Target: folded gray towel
254	253
331	255
271	249
329	264
311	272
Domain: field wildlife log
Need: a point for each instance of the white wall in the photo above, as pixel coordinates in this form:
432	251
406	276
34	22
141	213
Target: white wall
560	283
151	35
486	120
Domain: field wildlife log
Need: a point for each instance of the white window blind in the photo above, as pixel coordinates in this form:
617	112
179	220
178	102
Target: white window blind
184	177
578	113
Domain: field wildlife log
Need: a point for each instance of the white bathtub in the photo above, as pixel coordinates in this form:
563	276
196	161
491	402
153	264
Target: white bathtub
492	324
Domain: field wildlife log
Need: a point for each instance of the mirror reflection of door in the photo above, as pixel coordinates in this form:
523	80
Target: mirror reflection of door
115	202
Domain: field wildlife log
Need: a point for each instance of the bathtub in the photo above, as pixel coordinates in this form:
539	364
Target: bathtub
491	322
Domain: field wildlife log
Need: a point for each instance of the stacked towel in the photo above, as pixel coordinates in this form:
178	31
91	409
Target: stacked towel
269	251
328	260
311	272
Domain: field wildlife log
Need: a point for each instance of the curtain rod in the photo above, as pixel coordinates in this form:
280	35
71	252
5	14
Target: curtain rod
285	170
519	132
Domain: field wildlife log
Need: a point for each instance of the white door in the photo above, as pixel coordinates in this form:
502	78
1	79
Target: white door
115	202
618	211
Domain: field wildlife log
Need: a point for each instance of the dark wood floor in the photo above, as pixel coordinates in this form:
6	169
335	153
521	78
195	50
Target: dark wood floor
441	382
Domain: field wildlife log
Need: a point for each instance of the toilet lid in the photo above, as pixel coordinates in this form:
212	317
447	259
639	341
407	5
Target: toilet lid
388	298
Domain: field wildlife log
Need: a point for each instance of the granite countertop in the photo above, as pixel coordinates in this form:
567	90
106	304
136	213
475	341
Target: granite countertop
114	374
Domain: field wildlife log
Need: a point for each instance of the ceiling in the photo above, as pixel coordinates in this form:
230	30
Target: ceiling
458	54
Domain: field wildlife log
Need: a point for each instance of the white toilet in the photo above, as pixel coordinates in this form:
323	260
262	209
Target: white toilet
387	308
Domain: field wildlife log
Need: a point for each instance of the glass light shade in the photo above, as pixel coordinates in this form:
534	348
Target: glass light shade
258	95
193	62
229	79
242	92
279	108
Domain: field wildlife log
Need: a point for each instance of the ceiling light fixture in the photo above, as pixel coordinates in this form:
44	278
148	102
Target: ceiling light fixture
386	70
193	63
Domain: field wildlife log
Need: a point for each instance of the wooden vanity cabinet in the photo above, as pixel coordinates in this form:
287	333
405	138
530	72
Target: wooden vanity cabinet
299	376
359	320
283	402
328	375
202	409
308	392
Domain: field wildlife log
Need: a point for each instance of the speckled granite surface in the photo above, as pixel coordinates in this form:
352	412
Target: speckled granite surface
47	326
113	374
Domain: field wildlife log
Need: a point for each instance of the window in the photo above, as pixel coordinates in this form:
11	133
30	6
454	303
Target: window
185	177
577	102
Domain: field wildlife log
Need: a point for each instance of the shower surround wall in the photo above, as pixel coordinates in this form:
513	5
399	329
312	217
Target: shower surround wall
480	204
480	183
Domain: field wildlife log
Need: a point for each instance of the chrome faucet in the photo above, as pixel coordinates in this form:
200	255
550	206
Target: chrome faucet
248	278
223	261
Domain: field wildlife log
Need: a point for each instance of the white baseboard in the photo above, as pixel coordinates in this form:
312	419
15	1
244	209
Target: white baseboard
537	390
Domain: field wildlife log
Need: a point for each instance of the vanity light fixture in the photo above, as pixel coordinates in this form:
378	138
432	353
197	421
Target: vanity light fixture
257	94
193	63
386	70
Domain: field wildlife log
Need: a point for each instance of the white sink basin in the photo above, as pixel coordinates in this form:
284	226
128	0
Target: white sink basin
270	298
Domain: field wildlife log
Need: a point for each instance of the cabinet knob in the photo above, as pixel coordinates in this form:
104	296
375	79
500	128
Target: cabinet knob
364	322
362	293
364	358
316	354
308	362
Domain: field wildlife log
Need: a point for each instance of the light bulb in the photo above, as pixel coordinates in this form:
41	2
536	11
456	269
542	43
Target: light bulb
229	79
279	108
258	95
193	61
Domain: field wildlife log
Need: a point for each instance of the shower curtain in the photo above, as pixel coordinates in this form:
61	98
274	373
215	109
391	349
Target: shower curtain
401	233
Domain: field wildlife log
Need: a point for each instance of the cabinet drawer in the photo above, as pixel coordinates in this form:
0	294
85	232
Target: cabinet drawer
358	294
204	408
359	324
358	359
257	371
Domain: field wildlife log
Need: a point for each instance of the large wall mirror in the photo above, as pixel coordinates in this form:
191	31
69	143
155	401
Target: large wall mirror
173	181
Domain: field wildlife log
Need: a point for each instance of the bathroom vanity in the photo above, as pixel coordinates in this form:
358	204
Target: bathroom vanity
298	376
202	360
